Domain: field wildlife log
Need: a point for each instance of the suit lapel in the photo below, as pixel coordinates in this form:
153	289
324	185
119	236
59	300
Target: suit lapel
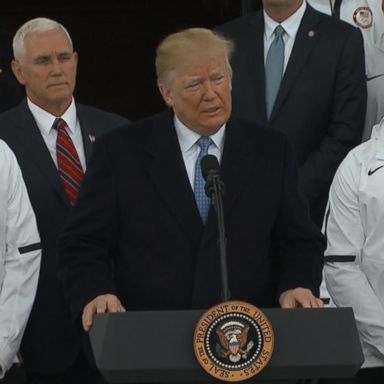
29	135
166	164
304	43
256	68
87	132
235	170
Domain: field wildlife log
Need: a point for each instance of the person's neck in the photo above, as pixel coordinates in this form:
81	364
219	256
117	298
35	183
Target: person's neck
54	109
282	12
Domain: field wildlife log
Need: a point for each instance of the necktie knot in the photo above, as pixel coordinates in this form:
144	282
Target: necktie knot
60	124
279	32
204	142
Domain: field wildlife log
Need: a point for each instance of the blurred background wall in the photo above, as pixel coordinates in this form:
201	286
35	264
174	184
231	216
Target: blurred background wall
116	41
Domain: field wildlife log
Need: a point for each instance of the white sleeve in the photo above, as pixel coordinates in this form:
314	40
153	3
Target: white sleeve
21	259
346	282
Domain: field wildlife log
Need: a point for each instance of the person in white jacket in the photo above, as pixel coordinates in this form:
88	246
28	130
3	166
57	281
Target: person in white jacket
354	258
369	17
20	253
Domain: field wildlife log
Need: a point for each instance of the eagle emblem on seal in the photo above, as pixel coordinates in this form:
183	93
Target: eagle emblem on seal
233	341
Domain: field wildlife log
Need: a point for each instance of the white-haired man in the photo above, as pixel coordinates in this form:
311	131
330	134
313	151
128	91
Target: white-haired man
51	136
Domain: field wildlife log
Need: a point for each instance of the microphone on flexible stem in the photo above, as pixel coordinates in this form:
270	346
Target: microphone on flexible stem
214	189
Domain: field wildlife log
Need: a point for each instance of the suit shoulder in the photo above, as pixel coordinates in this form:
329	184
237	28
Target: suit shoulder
100	115
10	115
262	134
9	119
129	133
240	25
336	26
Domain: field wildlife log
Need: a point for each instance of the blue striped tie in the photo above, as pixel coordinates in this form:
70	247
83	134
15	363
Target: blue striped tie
202	200
274	66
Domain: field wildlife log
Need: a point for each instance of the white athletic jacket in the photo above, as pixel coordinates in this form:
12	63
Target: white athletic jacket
354	225
20	253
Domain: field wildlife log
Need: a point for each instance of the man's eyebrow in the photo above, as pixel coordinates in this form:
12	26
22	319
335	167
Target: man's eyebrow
42	57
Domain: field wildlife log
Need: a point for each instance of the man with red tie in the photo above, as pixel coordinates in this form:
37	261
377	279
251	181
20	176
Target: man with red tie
51	136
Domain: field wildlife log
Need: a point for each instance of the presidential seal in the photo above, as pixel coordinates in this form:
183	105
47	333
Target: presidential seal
233	341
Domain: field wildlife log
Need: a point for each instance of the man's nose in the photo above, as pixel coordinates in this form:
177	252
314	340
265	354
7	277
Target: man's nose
209	90
56	66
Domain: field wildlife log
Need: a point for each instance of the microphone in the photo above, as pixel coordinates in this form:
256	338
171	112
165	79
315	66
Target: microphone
214	189
210	170
209	166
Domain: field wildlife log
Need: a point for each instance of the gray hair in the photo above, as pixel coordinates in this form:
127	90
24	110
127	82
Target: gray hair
40	24
178	48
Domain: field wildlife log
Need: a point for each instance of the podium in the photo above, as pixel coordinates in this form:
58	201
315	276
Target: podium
157	346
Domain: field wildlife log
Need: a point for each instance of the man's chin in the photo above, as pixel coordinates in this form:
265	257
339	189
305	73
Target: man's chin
60	97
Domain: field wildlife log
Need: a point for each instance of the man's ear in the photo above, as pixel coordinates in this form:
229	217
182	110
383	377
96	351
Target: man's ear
166	94
18	71
76	57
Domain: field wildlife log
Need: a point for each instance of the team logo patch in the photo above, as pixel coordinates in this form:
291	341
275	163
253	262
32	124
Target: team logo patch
233	341
363	17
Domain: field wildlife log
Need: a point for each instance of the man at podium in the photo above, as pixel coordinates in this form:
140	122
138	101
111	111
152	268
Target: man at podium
143	234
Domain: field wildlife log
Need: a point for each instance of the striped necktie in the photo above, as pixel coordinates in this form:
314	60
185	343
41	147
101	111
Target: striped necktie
68	162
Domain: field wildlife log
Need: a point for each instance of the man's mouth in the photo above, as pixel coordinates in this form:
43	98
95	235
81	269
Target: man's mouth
211	110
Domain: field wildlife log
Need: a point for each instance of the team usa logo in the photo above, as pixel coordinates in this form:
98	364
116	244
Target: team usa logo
233	341
363	17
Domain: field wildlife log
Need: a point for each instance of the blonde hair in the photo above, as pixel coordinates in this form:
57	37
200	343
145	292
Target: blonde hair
180	47
40	24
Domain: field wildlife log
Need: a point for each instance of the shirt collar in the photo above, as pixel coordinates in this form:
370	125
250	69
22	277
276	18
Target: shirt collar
45	120
187	137
290	25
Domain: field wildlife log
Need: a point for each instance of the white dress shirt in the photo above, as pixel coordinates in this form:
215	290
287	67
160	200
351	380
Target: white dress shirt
290	25
45	120
190	150
20	253
354	231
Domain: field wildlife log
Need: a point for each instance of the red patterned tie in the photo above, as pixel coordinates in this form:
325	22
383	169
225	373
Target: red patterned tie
68	162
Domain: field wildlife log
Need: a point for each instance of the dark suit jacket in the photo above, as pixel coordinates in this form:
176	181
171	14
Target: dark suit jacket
138	209
51	341
322	98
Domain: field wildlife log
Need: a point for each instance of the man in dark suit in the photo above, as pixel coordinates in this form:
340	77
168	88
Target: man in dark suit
142	203
51	136
11	92
321	99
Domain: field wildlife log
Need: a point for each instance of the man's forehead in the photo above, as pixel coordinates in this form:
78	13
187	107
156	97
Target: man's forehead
52	38
50	33
54	52
198	68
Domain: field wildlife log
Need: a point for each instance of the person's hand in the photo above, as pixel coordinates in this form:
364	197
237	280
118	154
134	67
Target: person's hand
299	298
101	304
